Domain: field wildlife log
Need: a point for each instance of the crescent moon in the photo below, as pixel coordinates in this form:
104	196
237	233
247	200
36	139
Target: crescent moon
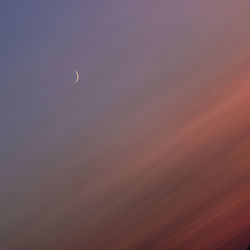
77	77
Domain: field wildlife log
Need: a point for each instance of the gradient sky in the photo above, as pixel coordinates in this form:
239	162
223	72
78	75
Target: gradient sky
150	150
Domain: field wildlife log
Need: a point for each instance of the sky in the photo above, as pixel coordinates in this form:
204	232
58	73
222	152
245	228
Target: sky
149	150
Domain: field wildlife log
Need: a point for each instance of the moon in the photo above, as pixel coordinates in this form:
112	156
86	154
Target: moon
77	77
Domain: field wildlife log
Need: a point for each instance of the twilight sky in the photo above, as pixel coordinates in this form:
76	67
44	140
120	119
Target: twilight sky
150	150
